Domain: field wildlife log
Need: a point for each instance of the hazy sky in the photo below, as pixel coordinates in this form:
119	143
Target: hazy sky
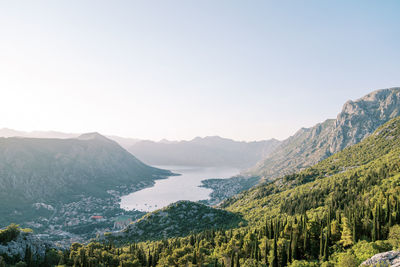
246	70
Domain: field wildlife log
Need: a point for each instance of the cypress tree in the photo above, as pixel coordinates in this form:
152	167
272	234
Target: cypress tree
194	260
237	260
284	255
290	247
266	251
256	249
387	208
305	244
326	255
148	259
294	248
274	262
375	234
28	256
321	245
378	223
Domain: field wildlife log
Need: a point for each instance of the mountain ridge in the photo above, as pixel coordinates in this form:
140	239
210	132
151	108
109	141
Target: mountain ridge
357	120
206	151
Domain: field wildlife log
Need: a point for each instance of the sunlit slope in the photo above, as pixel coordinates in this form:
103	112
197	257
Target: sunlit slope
180	219
357	172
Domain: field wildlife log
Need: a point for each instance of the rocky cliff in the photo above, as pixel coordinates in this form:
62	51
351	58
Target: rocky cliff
390	258
357	120
23	243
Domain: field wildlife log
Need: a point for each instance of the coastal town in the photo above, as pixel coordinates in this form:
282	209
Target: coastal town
85	219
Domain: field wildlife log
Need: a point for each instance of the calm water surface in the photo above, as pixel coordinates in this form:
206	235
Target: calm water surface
175	188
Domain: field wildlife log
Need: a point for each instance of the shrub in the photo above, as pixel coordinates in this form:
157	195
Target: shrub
10	233
303	263
394	236
347	259
21	264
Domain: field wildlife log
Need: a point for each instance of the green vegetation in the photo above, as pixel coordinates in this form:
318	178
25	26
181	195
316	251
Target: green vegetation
179	219
10	233
339	212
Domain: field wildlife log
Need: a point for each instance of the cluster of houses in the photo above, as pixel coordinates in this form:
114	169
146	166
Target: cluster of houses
120	222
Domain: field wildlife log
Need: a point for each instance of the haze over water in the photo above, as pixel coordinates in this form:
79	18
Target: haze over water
175	188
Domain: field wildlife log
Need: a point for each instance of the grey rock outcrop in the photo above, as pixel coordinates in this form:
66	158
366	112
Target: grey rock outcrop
390	258
357	120
17	248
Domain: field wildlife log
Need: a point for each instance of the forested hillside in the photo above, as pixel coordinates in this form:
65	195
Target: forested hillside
337	213
179	219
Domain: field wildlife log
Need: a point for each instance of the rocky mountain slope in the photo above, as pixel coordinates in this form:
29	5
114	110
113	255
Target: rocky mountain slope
208	151
53	171
389	258
21	244
179	219
357	120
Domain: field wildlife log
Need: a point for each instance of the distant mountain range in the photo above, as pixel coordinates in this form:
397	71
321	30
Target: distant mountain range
52	171
6	132
357	120
207	151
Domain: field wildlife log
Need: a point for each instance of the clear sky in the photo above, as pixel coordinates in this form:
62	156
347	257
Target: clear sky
246	70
